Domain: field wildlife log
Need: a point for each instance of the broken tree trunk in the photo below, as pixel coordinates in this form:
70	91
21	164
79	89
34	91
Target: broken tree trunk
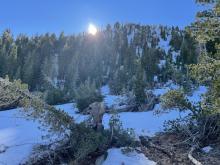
191	158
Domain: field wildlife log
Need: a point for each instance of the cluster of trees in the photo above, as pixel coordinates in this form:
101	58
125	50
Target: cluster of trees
128	57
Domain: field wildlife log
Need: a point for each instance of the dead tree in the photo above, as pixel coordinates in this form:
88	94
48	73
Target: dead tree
96	110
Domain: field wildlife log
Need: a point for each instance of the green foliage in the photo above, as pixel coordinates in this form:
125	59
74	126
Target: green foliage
202	125
112	56
86	94
175	99
206	30
176	39
119	136
82	143
78	140
56	96
15	94
85	140
139	87
120	81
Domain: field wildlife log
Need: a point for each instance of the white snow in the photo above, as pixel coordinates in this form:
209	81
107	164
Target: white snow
117	157
194	98
105	90
131	36
207	149
197	94
144	123
164	89
71	110
112	101
155	78
3	148
175	54
164	44
18	135
139	51
162	63
148	123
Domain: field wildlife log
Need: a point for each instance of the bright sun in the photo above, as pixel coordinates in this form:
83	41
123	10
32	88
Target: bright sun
92	29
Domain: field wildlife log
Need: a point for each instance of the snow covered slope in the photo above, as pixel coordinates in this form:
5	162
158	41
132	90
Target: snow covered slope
144	123
18	135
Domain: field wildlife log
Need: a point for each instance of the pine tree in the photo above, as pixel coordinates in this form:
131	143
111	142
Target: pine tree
206	29
204	117
139	86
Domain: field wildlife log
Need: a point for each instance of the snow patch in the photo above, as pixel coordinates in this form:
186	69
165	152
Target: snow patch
175	54
112	101
117	157
164	44
18	135
144	123
105	90
207	149
71	110
196	96
162	90
162	63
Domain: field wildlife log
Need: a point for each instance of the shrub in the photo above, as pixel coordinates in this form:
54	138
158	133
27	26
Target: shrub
87	94
55	96
118	136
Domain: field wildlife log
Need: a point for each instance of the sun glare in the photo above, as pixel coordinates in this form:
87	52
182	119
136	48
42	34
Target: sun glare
92	29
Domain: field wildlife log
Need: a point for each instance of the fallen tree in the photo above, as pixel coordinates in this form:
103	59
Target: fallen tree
15	94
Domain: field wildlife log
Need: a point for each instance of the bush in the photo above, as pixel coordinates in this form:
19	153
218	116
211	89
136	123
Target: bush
85	140
82	146
202	123
55	96
120	137
87	94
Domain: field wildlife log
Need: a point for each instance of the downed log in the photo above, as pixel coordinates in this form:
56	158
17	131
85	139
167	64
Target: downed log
191	158
16	94
132	106
128	108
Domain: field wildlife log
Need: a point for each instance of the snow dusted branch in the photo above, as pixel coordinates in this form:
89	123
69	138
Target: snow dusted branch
15	94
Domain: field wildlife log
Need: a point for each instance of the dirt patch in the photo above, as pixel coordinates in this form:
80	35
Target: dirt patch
173	143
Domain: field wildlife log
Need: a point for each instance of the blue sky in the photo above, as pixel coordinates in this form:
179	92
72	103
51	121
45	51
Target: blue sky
73	16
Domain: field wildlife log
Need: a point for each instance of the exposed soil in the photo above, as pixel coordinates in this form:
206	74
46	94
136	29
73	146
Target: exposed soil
173	143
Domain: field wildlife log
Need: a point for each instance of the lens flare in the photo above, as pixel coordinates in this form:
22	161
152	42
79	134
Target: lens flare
92	29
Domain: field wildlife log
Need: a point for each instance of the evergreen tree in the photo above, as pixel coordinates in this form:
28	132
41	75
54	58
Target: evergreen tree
207	71
139	86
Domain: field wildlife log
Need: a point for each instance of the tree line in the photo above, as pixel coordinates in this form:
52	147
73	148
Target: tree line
129	57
